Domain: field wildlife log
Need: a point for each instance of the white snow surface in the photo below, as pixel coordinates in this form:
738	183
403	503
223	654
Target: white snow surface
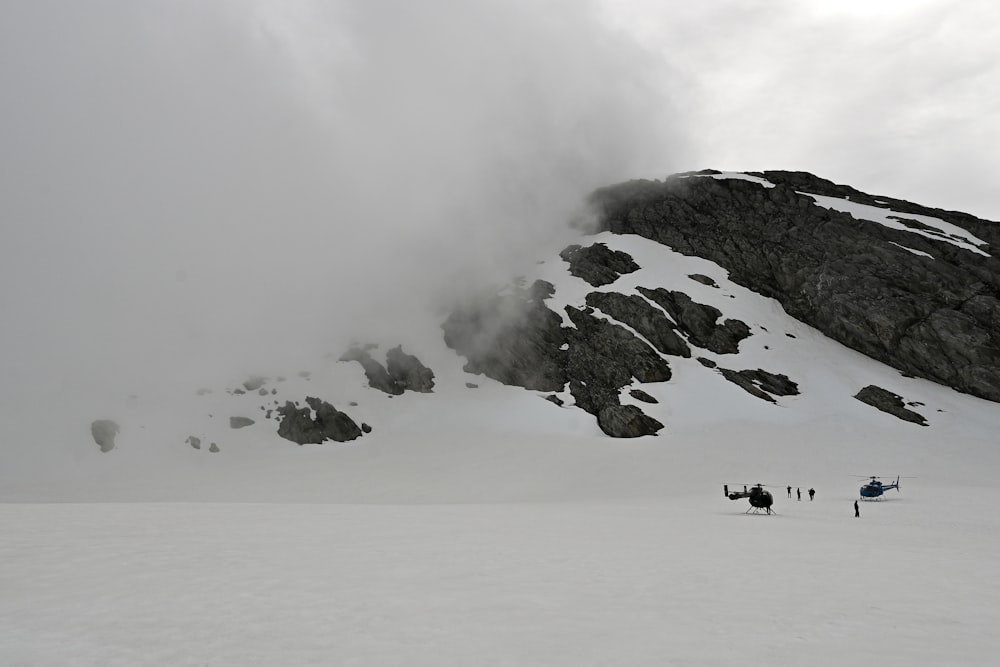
737	175
941	230
487	526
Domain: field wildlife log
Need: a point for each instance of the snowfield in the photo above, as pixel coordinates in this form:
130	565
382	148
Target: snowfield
682	581
486	526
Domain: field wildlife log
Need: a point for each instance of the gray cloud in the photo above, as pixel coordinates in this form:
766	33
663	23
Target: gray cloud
895	98
191	188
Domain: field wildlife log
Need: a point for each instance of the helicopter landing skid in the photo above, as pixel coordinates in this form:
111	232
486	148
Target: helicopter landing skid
757	510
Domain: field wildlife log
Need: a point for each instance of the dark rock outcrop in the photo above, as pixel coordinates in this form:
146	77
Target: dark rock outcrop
626	421
513	338
597	264
517	340
378	376
103	431
299	425
761	383
699	322
640	395
704	280
932	318
603	358
407	371
644	317
888	402
402	371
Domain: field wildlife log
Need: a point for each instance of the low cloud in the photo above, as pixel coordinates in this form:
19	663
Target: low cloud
193	188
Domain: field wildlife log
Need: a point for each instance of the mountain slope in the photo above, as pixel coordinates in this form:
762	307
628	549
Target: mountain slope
759	394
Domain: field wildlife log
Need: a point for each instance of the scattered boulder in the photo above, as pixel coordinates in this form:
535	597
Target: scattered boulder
471	385
890	403
597	264
365	428
299	425
194	441
552	398
240	422
704	280
762	384
213	448
104	431
640	395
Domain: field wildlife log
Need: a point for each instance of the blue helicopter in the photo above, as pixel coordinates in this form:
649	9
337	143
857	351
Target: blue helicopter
874	489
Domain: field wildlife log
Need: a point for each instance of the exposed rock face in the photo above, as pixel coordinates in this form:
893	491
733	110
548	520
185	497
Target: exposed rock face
888	402
935	318
644	317
597	264
517	340
104	431
240	422
298	424
699	322
626	421
404	371
512	338
603	358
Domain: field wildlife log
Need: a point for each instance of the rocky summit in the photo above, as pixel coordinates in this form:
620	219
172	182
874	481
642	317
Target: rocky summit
913	287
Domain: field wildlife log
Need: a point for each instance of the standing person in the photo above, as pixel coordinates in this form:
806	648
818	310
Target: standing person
789	492
798	492
857	512
812	493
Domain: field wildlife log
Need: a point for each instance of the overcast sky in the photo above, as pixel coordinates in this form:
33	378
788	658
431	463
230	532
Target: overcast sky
186	185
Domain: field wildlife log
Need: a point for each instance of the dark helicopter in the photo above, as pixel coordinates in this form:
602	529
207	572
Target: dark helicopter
759	498
874	489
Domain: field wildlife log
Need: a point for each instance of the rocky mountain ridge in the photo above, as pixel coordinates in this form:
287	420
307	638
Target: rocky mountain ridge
922	298
925	303
602	325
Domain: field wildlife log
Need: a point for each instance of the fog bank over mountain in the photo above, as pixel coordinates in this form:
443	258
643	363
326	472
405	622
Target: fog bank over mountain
191	187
